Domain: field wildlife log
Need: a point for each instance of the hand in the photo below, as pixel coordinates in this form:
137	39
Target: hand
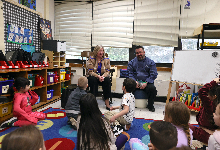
151	146
33	94
112	108
137	85
112	119
217	80
143	85
101	78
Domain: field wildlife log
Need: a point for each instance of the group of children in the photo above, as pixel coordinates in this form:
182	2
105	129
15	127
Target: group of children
82	111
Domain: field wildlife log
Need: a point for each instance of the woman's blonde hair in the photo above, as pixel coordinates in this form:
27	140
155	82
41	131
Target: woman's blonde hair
25	138
96	50
179	114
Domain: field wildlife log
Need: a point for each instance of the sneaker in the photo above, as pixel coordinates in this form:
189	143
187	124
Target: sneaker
73	122
127	127
152	109
9	124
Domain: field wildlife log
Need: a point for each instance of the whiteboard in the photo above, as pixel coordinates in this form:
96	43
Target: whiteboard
195	66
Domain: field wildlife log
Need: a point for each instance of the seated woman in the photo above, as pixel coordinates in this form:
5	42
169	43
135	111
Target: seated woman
98	71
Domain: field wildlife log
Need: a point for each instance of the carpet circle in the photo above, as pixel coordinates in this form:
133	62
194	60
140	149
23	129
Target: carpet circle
59	143
145	139
146	126
44	124
55	115
1	138
68	131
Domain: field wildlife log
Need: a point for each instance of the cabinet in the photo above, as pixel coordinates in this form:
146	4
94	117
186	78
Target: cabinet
59	59
40	90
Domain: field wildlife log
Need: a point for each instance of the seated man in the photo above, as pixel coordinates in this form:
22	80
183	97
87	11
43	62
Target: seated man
143	70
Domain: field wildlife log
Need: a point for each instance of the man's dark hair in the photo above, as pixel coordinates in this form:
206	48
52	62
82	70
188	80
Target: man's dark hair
137	47
163	135
130	84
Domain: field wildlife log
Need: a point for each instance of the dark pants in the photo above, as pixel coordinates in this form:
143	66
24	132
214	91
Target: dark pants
106	86
151	92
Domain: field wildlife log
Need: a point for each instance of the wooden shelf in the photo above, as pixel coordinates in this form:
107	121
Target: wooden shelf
6	95
64	80
37	87
53	83
40	90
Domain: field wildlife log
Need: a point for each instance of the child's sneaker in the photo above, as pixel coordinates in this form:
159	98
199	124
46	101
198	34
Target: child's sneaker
73	123
9	124
127	127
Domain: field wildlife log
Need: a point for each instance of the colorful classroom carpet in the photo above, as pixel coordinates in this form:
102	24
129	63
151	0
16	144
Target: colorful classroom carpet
58	135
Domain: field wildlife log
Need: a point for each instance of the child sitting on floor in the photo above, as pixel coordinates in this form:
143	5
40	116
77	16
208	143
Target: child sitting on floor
178	114
209	97
126	114
94	131
24	138
72	107
214	140
22	102
163	136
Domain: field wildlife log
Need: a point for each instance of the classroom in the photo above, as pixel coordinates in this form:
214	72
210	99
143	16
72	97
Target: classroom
169	48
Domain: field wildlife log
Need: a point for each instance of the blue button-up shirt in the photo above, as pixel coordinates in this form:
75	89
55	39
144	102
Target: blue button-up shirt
142	70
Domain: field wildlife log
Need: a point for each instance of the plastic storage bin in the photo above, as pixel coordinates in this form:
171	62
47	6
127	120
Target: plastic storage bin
5	85
5	109
39	80
56	78
62	75
67	76
50	94
32	80
38	101
50	78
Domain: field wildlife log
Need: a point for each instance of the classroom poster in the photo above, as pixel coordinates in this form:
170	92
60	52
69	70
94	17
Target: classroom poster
19	35
46	30
28	3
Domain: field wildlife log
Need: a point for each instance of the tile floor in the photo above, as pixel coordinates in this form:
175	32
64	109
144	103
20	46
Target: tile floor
139	112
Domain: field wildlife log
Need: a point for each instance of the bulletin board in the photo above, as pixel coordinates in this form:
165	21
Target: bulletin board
23	20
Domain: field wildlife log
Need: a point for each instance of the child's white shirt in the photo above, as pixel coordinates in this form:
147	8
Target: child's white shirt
129	100
214	141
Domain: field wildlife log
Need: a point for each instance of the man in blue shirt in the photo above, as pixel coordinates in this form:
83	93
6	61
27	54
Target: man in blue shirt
143	69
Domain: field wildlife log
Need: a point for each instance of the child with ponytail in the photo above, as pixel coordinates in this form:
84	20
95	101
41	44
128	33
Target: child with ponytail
178	114
22	102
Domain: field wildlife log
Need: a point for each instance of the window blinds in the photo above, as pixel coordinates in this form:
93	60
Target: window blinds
156	22
113	23
73	24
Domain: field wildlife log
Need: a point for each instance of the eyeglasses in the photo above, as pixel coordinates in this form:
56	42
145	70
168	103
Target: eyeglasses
139	53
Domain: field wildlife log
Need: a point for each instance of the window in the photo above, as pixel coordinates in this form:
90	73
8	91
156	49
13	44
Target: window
159	54
117	54
73	24
191	44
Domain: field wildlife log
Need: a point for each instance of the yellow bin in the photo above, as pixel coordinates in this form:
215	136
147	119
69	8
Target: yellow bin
5	109
62	75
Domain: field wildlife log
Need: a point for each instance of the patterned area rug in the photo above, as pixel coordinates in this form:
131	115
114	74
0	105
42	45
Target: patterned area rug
58	135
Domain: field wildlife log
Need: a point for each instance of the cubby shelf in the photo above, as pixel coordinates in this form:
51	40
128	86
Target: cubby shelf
40	90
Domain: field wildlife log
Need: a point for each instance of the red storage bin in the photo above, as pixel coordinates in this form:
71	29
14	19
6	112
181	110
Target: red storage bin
56	78
39	80
67	76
